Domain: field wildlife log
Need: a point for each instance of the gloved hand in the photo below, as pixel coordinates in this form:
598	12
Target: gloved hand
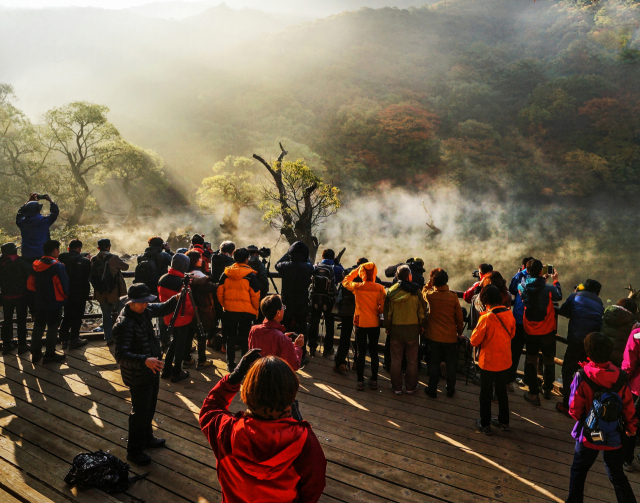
244	365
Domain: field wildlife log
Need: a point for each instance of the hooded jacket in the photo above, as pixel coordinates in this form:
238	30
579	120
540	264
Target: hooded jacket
219	262
445	314
206	257
404	311
617	324
539	312
584	310
50	283
34	229
494	339
160	257
79	270
631	361
518	307
14	273
270	339
239	290
171	284
370	296
296	271
581	399
260	461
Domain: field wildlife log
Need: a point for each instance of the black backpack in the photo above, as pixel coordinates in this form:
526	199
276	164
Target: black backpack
101	278
322	291
101	470
147	273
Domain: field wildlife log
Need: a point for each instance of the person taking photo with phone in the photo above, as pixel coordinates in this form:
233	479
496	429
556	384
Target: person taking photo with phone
34	227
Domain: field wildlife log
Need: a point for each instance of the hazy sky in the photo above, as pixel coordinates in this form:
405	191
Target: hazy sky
109	4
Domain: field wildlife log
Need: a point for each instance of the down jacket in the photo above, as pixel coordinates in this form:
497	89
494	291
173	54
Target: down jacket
494	339
239	290
14	273
296	271
370	296
50	283
169	285
261	461
270	339
539	312
404	311
34	229
617	324
631	361
136	341
584	310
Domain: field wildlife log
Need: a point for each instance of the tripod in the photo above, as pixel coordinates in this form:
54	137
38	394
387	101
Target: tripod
185	293
268	266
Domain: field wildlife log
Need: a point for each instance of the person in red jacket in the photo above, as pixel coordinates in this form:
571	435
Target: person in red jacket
483	270
169	285
601	374
492	336
271	336
263	454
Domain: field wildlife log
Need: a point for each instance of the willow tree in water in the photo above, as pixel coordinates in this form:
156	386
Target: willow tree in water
297	201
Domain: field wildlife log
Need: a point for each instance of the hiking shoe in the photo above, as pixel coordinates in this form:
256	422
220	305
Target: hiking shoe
412	391
396	392
373	384
77	343
36	357
156	442
431	394
360	386
179	377
563	410
495	422
450	393
189	364
204	364
328	352
532	399
483	429
139	458
340	368
54	358
23	348
65	345
510	387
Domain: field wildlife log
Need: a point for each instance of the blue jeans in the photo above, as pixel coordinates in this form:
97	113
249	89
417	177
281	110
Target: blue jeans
107	319
583	460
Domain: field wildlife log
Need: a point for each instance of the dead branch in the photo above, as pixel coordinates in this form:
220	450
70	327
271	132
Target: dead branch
434	230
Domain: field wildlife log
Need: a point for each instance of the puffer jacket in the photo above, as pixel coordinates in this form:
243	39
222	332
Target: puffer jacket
494	339
617	324
584	310
34	230
14	273
79	270
160	257
136	341
169	285
631	361
539	312
296	271
260	461
404	311
518	280
270	339
445	314
239	290
50	283
370	296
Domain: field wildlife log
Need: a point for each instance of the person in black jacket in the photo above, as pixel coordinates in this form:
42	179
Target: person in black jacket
296	271
79	270
220	260
14	272
138	352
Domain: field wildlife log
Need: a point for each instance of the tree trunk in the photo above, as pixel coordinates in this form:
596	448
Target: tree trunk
78	210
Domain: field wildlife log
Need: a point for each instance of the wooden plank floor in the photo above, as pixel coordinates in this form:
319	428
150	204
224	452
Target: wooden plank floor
380	447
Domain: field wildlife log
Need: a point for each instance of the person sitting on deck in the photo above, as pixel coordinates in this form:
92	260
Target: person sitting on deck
263	454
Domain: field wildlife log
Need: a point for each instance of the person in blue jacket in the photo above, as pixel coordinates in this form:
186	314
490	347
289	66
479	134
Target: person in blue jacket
584	309
34	227
517	343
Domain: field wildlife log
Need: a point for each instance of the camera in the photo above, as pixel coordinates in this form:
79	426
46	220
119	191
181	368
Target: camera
40	197
476	274
187	278
264	252
596	436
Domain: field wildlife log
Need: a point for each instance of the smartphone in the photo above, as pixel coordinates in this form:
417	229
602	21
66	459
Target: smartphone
41	196
550	269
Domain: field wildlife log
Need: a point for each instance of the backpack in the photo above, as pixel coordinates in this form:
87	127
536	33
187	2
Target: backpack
101	470
147	272
603	425
323	286
101	278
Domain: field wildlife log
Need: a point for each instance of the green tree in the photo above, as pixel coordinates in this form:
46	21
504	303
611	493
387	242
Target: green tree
84	140
233	186
298	201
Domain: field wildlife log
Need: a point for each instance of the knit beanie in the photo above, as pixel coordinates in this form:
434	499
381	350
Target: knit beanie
180	262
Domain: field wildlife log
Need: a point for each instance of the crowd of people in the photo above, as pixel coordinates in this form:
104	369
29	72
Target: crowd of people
221	299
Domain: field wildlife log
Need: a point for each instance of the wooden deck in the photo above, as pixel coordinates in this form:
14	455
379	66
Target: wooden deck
379	447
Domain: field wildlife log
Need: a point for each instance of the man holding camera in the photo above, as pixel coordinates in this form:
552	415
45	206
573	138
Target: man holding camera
261	271
34	227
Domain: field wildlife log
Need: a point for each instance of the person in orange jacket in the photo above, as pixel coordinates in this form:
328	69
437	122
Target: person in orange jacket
239	296
370	297
492	335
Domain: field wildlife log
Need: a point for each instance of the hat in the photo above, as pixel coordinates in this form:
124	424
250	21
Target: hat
138	293
182	250
104	243
32	208
9	249
252	248
180	262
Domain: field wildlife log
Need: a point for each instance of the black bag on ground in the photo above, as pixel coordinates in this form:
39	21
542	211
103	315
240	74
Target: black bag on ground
100	470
